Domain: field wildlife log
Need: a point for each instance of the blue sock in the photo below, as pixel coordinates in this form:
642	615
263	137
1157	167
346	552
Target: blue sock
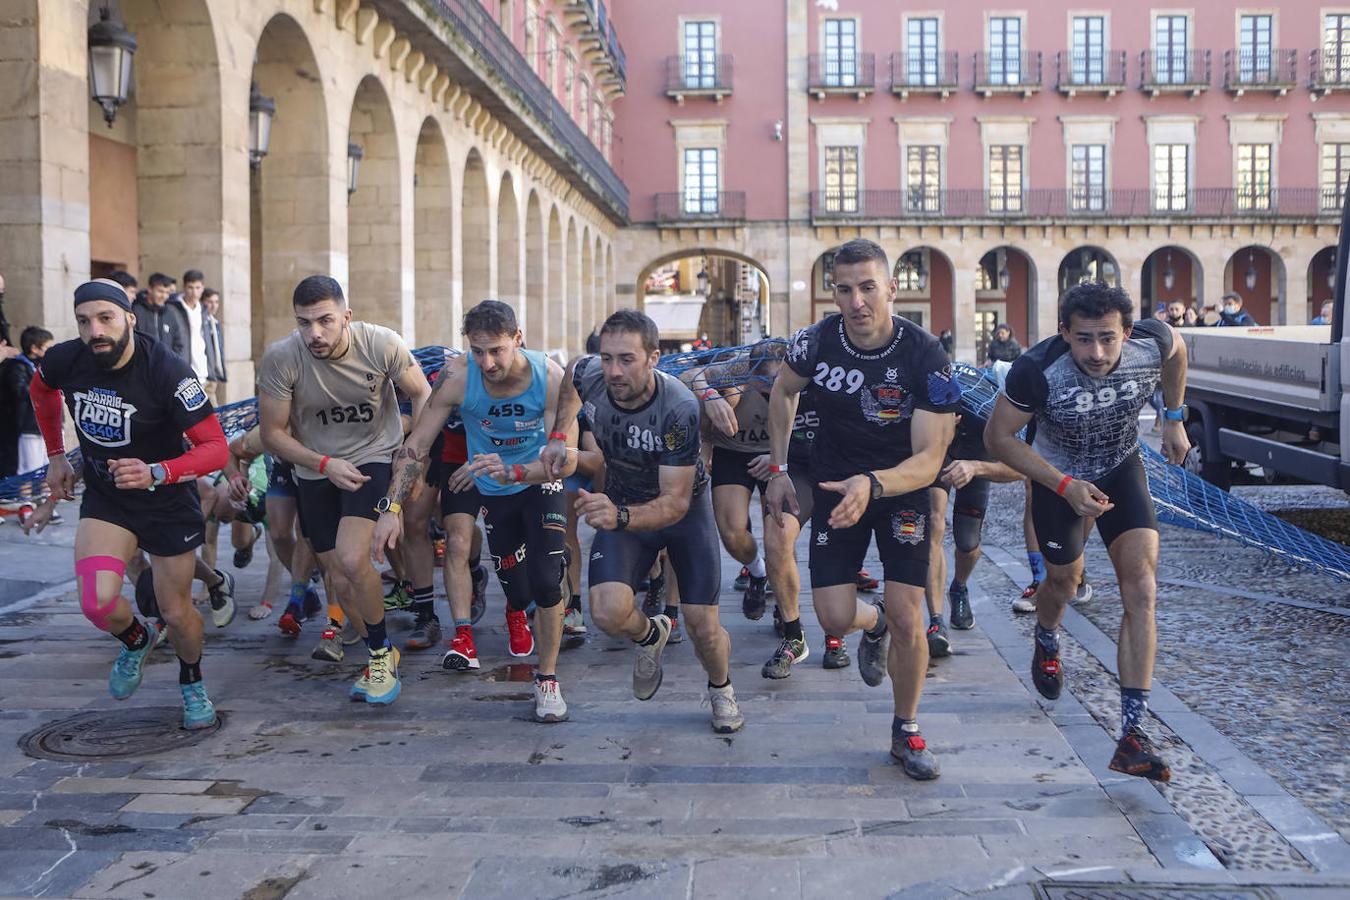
297	596
1048	639
1133	708
1037	563
375	636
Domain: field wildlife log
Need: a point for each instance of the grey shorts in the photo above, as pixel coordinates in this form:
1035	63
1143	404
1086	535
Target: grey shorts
691	545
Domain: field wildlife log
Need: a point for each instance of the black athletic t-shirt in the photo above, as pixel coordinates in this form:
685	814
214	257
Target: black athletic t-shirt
139	411
804	427
866	398
637	442
969	440
1087	426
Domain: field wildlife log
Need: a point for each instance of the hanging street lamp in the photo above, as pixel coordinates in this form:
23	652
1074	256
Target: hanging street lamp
354	156
111	48
261	109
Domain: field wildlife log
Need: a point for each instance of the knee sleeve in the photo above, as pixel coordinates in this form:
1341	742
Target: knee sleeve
966	524
547	577
87	569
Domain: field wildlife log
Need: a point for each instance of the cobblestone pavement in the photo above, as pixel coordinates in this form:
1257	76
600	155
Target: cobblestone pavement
453	792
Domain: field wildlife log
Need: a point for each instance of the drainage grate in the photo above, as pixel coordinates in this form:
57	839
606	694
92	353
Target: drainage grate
119	734
1087	890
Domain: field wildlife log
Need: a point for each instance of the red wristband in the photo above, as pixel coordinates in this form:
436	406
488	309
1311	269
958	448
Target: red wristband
323	463
710	393
776	469
1063	484
518	472
557	435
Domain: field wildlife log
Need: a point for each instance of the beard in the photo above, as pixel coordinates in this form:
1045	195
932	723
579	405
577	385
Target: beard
107	355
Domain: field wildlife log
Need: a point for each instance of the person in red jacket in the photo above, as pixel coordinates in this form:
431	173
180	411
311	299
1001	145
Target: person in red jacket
146	431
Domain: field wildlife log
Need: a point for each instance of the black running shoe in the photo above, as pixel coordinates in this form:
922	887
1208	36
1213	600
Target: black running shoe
1046	673
655	599
1135	756
836	654
915	757
958	596
742	580
752	601
939	644
872	650
789	653
478	605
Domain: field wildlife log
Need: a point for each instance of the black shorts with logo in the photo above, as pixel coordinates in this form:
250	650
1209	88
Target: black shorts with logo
691	545
322	505
467	502
280	478
1059	529
165	522
732	467
900	525
526	535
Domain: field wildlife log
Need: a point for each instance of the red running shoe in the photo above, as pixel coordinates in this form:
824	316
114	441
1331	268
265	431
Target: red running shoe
289	623
866	583
520	640
462	655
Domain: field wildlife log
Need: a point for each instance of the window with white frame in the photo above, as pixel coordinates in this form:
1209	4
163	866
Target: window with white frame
1089	50
700	54
1335	174
1170	41
1005	50
841	179
840	61
1254	53
551	57
923	178
1087	177
701	173
1005	178
1171	177
922	62
1253	176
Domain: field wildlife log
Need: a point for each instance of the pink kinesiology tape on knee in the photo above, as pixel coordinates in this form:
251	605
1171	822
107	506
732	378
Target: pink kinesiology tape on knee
87	569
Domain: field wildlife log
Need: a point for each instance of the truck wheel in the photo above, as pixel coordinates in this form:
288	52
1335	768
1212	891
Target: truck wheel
1205	461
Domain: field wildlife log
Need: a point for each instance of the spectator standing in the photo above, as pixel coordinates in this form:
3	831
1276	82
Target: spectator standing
214	340
1328	308
1004	346
1179	315
193	286
15	376
1233	313
162	317
128	283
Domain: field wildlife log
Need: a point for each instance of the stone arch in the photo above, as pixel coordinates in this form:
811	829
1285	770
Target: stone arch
291	228
1256	274
536	279
573	309
601	288
729	308
374	211
927	285
508	243
639	287
557	277
1087	263
433	236
1321	280
1005	293
610	283
586	312
476	235
1186	281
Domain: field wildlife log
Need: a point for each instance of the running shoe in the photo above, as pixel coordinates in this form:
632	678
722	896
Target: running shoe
1027	602
478	605
958	597
222	600
676	632
244	555
1046	672
549	705
426	634
1135	756
872	651
790	652
777	621
162	638
655	598
350	633
1084	593
939	643
381	677
261	611
742	580
520	639
647	673
726	713
866	583
462	654
399	597
313	606
129	667
915	758
329	648
198	711
836	654
752	601
574	623
289	623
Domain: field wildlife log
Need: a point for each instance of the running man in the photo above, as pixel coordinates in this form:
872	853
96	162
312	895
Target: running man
1084	387
886	397
134	402
507	397
655	496
326	405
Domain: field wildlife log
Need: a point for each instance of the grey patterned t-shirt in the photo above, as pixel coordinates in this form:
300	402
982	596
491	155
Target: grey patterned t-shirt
1087	426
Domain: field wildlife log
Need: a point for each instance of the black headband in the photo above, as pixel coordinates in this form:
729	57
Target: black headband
102	290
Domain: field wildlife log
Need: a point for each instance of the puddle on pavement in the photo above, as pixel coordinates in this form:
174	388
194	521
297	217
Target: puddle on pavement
521	673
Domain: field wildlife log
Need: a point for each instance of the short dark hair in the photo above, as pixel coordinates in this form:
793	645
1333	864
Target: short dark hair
210	292
193	275
1093	300
860	250
33	336
636	322
593	341
490	317
1231	295
125	279
316	289
159	279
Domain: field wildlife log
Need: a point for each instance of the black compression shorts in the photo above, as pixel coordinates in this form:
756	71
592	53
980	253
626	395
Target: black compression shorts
280	479
731	467
900	525
322	505
526	534
691	545
467	502
1059	530
169	527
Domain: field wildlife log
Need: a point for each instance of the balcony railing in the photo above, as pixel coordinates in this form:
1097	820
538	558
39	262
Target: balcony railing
1328	72
841	73
591	20
1090	73
1065	203
1270	70
1174	71
1017	72
925	73
472	22
698	76
700	206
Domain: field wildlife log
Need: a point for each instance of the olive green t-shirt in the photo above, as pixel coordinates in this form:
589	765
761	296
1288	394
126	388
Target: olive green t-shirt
346	407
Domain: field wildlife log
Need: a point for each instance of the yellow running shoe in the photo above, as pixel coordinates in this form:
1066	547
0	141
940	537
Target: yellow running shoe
384	666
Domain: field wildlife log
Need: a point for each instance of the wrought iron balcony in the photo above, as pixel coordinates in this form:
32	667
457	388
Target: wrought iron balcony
925	73
1328	72
700	206
841	73
1018	72
1271	70
703	75
1090	73
1174	71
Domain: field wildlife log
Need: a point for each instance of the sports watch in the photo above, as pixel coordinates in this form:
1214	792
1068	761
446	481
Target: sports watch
876	485
384	505
157	474
1177	415
620	518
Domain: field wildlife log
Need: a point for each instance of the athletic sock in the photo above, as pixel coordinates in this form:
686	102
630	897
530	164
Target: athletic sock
653	635
955	584
1048	638
135	636
297	599
877	630
793	630
375	636
756	568
1037	563
463	623
538	677
1133	708
189	672
574	602
935	619
671	612
902	728
718	687
336	616
424	603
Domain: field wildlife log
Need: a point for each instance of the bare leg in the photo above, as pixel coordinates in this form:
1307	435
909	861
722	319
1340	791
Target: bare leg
779	544
935	590
712	644
1135	557
841	612
731	509
173	590
907	660
613	610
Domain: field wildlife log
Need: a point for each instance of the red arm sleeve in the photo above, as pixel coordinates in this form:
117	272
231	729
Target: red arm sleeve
210	451
47	409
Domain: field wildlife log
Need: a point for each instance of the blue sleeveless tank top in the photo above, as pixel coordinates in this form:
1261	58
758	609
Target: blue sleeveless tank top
511	427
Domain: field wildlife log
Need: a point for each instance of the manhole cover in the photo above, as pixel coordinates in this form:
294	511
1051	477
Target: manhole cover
118	734
1072	890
